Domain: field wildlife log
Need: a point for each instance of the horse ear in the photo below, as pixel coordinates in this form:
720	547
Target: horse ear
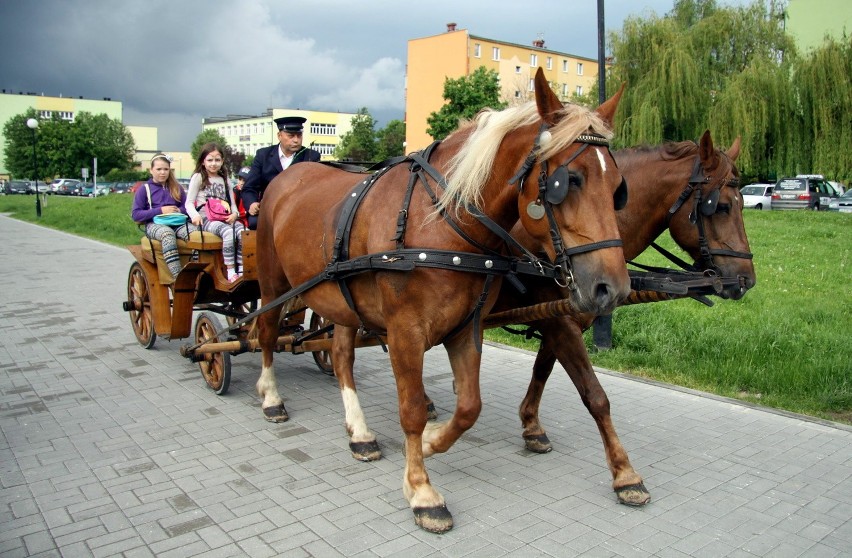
734	151
607	110
548	103
706	149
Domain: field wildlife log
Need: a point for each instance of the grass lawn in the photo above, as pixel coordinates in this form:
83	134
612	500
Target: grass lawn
786	344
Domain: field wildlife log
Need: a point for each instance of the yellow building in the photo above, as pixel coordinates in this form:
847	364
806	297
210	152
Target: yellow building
15	103
457	53
247	134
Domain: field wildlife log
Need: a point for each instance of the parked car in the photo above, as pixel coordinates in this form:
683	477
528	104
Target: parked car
104	188
121	187
843	204
841	189
136	185
757	196
62	183
802	192
69	188
184	183
43	188
17	187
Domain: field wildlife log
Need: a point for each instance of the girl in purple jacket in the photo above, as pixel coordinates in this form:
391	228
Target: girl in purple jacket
162	195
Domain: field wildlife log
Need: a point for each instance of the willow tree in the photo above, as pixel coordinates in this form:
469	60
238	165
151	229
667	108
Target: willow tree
823	83
679	69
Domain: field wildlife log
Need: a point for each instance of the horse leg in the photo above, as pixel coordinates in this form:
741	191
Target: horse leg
362	442
427	504
565	339
535	438
465	362
267	387
431	411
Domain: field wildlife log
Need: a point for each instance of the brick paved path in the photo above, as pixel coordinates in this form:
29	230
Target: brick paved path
107	449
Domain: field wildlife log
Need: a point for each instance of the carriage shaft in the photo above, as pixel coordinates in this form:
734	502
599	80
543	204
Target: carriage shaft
283	343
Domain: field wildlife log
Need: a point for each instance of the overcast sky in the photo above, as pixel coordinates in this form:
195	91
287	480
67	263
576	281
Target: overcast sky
173	62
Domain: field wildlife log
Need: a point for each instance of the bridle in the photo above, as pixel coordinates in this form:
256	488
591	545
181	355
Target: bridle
552	190
704	208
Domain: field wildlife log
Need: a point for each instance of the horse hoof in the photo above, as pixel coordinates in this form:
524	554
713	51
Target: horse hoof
276	414
435	520
633	495
538	443
365	451
431	412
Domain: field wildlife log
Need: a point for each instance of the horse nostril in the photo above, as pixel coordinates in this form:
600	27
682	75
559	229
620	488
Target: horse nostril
604	294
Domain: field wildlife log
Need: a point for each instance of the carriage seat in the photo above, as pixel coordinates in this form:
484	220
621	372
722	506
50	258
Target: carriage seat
199	242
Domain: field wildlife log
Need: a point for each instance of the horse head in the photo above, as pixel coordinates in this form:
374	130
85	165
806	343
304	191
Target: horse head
710	227
568	203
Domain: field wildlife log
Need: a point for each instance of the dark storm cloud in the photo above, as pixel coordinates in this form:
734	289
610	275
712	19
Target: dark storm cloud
171	63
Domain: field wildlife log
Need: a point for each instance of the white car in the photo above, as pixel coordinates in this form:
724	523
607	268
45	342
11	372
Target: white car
757	196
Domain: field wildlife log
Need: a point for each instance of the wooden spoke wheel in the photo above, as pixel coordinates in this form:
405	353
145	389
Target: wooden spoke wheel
215	367
322	358
139	302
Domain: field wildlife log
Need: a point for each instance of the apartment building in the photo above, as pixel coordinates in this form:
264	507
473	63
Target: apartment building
456	53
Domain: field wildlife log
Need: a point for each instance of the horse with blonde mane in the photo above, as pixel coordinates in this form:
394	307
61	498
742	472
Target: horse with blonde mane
417	253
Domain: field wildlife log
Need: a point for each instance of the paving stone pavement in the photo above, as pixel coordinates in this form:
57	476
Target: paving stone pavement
108	449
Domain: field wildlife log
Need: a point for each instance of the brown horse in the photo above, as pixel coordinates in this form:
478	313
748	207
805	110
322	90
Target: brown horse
353	245
658	178
669	188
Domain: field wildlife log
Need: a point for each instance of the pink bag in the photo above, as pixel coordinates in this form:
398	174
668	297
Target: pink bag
218	209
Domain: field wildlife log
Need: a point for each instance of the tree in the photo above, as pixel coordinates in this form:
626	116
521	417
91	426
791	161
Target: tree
358	144
64	147
702	67
206	136
465	97
391	140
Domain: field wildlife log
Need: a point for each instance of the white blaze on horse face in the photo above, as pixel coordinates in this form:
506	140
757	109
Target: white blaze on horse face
599	151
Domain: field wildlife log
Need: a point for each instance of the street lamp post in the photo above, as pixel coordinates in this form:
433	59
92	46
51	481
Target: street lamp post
32	124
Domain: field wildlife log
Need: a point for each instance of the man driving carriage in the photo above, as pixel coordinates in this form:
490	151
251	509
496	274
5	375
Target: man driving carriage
270	161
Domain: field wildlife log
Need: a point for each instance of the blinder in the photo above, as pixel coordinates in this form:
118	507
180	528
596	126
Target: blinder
556	188
708	205
619	198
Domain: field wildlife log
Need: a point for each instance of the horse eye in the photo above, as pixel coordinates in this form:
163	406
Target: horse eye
575	180
723	208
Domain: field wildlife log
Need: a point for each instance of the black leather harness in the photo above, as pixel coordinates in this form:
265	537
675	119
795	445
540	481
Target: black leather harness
491	262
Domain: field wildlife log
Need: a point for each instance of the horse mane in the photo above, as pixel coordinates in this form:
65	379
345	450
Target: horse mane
470	169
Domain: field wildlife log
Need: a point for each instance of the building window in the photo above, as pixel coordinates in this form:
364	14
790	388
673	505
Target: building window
45	114
532	85
324	148
579	90
565	89
517	93
324	129
517	69
533	60
477	50
495	53
549	63
564	65
579	68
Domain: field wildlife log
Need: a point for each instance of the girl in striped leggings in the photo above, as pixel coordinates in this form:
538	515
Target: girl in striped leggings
162	195
210	180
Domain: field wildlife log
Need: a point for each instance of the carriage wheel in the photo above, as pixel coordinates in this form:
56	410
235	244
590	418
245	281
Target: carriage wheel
215	367
322	358
139	301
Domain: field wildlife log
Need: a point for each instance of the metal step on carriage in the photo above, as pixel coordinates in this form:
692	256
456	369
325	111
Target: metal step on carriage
159	305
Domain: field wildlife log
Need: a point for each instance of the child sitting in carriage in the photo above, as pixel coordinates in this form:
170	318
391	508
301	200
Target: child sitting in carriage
159	206
210	204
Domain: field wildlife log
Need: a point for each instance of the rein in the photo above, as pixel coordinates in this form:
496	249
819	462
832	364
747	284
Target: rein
491	263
